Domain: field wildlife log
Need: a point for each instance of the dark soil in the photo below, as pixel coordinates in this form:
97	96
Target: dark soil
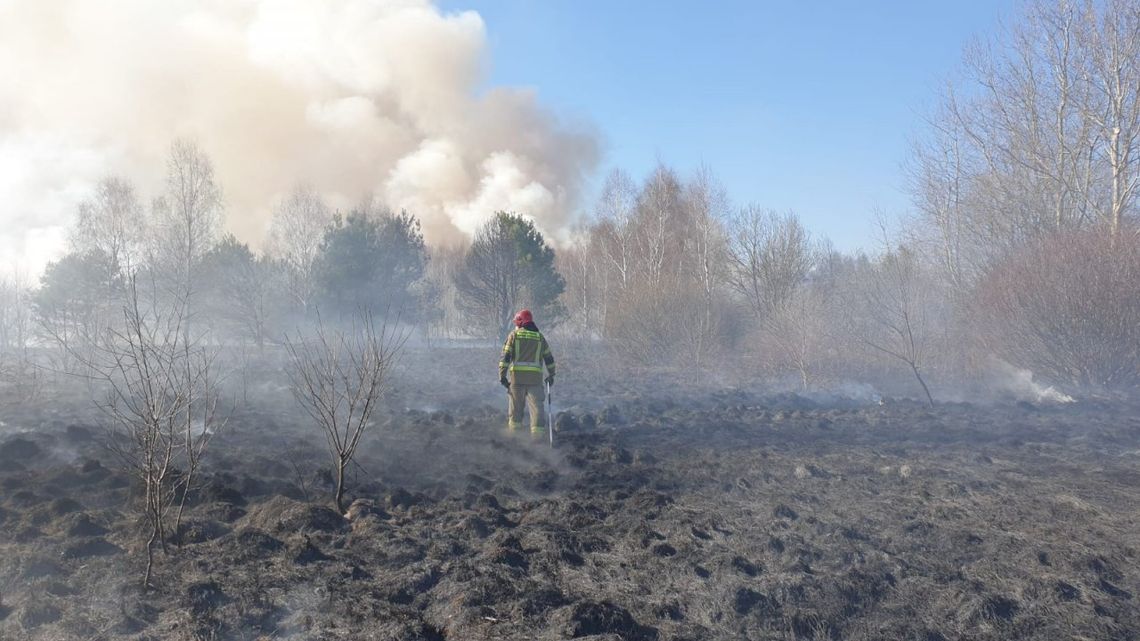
727	517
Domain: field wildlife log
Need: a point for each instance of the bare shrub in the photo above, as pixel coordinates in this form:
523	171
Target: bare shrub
338	376
1066	309
657	326
162	399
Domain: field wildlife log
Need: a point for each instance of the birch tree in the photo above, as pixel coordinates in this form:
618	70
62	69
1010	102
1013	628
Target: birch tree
111	222
1041	135
295	234
615	230
1111	46
188	219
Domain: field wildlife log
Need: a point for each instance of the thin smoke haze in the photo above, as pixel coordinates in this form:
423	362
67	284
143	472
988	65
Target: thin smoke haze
361	99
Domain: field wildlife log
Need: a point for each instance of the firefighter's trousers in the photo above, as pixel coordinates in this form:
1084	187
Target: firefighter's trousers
533	396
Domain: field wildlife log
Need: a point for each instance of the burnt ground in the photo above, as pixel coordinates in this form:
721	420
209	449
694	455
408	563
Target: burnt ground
730	516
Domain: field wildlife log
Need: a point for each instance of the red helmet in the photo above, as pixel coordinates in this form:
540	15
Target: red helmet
523	317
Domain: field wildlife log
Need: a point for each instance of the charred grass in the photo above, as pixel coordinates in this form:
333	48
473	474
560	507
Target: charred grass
734	517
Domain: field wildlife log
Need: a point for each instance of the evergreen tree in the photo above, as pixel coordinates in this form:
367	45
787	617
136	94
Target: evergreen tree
371	263
509	266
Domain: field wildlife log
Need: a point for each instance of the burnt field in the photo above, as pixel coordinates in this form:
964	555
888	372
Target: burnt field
731	515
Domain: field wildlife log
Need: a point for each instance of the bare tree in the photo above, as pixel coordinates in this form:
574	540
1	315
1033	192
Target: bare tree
938	181
111	222
1044	137
650	325
799	336
16	365
651	271
587	284
338	377
898	312
660	214
1111	44
609	255
769	257
706	206
295	234
1029	143
605	257
615	230
188	221
162	400
439	280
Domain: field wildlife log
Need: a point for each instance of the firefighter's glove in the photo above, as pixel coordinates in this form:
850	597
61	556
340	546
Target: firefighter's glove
504	382
550	381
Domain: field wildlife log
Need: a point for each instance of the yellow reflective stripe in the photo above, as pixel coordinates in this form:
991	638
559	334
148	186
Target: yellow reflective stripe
513	348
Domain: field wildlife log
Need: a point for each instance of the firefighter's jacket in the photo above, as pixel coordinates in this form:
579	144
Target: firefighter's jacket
524	354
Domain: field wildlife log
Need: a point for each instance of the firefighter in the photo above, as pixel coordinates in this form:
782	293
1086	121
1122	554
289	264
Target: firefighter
524	355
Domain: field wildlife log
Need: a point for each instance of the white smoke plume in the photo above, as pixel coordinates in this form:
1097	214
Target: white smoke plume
357	98
1019	383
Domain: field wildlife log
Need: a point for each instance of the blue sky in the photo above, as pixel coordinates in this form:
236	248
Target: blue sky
802	106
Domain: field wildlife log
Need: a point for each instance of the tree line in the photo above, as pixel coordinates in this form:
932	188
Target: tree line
316	261
1022	246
